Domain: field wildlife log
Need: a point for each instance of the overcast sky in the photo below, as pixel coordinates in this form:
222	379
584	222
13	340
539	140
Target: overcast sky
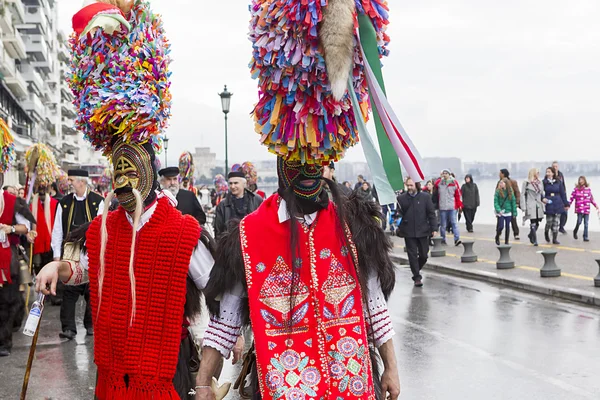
476	79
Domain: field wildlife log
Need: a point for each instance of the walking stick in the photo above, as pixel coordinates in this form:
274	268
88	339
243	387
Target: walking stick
33	345
30	270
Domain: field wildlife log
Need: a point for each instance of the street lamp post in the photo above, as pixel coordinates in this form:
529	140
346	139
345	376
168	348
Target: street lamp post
225	102
166	143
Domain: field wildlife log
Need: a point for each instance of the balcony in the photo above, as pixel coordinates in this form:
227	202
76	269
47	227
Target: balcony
34	106
68	110
37	47
18	11
17	85
66	93
32	77
35	21
6	24
8	68
14	45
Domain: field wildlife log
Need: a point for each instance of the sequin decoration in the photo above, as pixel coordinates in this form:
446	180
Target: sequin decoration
280	285
295	394
347	346
290	359
325	253
357	386
337	369
274	379
310	376
260	267
344	251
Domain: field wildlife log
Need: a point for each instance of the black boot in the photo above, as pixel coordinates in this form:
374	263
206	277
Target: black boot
575	232
531	235
534	234
554	238
547	235
498	238
506	236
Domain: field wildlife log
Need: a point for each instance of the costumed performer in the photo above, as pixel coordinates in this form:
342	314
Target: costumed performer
15	220
186	172
309	275
145	262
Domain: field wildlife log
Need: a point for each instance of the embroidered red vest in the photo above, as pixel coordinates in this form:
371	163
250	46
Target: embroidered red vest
43	241
147	351
7	218
316	346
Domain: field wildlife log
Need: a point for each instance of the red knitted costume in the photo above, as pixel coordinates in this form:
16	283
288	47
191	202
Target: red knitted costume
7	218
147	351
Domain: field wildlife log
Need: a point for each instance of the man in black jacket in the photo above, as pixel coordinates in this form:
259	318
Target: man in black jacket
187	202
418	224
564	216
238	203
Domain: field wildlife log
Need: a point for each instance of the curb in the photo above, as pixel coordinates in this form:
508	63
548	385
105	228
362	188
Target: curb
576	295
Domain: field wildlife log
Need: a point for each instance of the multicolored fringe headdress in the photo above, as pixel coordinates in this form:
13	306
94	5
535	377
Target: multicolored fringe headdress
221	186
7	147
119	76
40	160
106	179
186	166
315	84
62	182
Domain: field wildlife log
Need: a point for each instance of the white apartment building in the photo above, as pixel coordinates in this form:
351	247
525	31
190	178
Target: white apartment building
34	98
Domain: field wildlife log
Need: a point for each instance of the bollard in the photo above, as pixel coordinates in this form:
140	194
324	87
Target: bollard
438	250
550	269
469	255
597	278
505	262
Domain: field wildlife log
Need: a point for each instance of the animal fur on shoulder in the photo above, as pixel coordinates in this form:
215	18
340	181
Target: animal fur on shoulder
336	34
373	246
228	271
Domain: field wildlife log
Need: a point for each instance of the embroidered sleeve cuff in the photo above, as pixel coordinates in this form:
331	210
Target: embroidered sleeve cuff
380	328
78	274
221	336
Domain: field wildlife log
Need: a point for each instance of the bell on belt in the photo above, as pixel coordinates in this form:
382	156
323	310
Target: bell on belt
25	276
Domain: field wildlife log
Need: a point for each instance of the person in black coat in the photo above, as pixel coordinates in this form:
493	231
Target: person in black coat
471	201
555	199
418	224
187	202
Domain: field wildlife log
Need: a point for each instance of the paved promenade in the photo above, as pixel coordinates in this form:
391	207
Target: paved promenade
575	257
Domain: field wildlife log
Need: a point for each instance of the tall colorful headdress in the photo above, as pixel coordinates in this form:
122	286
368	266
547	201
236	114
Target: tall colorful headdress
250	171
62	181
40	160
186	166
106	178
221	186
119	75
319	70
7	147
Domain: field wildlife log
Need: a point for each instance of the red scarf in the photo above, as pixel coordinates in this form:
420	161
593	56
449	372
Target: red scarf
147	351
319	348
7	218
43	240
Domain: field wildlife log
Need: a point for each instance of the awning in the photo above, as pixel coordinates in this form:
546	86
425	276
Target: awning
22	143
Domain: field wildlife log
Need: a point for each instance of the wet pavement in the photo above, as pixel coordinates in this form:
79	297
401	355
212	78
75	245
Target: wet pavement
456	339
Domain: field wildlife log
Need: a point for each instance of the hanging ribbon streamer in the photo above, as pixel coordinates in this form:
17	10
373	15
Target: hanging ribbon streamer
368	41
392	128
384	189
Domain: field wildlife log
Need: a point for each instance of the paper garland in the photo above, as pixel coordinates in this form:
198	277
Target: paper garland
46	167
7	145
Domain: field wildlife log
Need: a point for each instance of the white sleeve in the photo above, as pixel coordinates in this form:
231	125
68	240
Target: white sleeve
223	330
379	323
100	208
79	270
57	233
21	220
201	264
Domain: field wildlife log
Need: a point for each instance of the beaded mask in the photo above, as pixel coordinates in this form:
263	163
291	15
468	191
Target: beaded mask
133	169
291	173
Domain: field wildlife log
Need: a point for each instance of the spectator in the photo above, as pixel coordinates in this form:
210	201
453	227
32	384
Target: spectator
418	224
11	190
348	185
360	182
505	206
22	193
238	202
531	203
555	200
449	200
365	190
504	174
565	214
329	173
583	197
470	197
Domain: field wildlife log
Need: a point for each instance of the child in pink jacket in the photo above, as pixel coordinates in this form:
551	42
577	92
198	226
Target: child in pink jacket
583	197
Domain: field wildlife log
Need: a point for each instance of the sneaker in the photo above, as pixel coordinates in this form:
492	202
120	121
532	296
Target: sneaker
419	283
586	240
575	235
517	237
67	335
562	230
457	242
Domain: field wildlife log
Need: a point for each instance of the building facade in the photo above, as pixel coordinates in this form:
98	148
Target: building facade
35	101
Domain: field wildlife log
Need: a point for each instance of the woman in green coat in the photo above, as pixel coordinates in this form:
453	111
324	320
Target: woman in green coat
505	206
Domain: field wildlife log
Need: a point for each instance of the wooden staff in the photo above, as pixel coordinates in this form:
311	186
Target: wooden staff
31	355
